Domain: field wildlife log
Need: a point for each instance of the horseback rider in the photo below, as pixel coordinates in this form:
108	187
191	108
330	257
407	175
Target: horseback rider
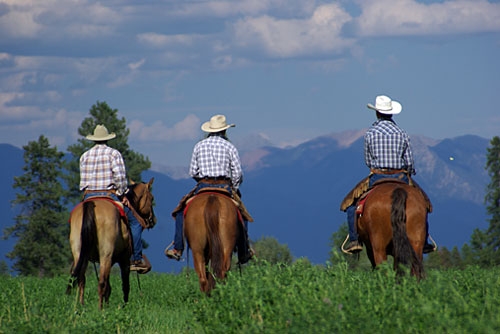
388	154
215	163
103	174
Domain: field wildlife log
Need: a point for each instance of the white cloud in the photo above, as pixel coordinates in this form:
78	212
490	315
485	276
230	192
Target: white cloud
162	40
80	19
187	129
320	33
409	17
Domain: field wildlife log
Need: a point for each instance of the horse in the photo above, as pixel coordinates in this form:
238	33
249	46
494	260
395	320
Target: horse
393	222
212	226
100	233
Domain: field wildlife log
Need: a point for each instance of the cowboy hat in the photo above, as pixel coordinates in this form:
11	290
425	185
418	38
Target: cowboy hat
101	134
384	105
216	124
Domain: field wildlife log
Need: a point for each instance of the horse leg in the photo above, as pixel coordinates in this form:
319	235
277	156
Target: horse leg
104	287
80	279
369	253
125	274
200	268
379	256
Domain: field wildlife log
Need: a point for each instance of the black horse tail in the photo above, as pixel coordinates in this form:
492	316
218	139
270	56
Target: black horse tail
403	252
211	215
88	237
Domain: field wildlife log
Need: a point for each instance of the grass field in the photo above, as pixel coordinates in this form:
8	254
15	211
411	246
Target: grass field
299	298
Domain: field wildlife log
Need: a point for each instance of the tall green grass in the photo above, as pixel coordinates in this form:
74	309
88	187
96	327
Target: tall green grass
294	298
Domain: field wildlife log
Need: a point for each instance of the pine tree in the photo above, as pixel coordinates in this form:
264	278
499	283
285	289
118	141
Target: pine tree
41	228
101	113
492	198
269	249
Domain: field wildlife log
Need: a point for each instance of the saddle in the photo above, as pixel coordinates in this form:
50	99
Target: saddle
182	206
361	190
362	199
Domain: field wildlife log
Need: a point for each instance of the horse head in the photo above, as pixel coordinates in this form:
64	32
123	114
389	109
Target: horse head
142	200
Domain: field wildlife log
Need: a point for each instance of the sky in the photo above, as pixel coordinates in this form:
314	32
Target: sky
285	70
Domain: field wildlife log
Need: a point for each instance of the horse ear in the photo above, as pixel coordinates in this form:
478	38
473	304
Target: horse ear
151	181
131	181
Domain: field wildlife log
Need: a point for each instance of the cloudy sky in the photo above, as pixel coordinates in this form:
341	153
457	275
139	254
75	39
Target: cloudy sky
288	70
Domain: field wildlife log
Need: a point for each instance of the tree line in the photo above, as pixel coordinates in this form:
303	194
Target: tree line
48	190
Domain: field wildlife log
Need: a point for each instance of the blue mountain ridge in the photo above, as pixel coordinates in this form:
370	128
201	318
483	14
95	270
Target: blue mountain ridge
294	193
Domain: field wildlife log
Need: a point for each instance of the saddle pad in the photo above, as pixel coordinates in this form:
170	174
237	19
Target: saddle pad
118	205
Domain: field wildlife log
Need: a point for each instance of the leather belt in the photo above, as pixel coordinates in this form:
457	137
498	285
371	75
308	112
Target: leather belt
108	191
388	171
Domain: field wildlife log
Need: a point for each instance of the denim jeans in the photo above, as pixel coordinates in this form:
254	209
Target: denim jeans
135	227
351	210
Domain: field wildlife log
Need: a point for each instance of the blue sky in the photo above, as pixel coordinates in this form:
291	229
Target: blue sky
287	70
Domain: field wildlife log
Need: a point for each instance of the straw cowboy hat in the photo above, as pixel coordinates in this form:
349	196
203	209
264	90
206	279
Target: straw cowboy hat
101	134
217	123
384	105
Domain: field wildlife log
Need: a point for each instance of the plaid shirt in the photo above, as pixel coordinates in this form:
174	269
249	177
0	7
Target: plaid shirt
388	146
102	168
216	156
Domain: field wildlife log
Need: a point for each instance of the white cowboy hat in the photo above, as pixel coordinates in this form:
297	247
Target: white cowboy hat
384	105
101	134
217	123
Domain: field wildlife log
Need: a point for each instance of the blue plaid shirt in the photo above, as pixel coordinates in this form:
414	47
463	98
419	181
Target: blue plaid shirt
216	156
388	146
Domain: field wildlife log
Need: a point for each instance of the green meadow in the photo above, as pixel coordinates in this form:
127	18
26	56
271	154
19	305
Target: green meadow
262	298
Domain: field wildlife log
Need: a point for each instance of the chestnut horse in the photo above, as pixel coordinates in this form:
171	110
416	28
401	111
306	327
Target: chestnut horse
212	227
393	222
99	233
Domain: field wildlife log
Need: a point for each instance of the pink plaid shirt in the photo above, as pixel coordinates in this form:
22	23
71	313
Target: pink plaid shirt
102	168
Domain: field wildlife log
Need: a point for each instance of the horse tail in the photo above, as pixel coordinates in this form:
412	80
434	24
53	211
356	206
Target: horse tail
88	236
403	252
211	215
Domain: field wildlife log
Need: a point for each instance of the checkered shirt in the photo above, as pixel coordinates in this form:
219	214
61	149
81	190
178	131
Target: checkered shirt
102	168
215	156
388	146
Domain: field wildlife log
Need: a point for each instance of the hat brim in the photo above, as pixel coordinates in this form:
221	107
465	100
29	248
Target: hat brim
396	108
206	127
94	138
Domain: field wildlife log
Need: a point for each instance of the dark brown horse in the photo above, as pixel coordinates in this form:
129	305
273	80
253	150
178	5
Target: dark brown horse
212	227
393	222
100	233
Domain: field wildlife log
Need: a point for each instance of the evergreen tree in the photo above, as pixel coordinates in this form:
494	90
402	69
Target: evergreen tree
42	227
269	249
492	199
456	258
101	113
481	251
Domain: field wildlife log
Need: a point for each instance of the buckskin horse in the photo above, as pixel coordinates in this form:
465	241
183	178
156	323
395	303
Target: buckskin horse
99	233
393	222
212	227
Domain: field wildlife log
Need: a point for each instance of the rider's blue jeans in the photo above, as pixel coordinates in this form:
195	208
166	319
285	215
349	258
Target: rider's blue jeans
135	227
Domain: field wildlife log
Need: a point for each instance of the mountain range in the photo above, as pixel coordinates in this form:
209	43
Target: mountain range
294	193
